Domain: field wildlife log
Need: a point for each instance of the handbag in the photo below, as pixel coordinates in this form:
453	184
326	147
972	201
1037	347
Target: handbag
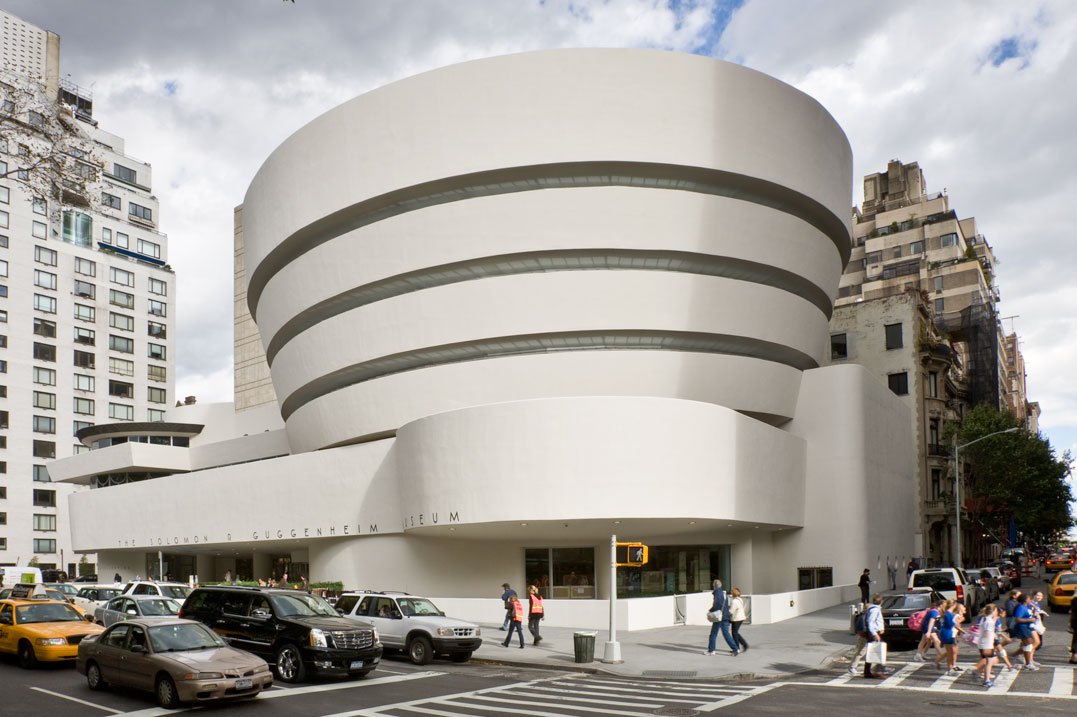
1039	628
876	653
714	616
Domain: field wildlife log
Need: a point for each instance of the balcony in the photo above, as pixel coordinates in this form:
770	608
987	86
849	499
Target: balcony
938	449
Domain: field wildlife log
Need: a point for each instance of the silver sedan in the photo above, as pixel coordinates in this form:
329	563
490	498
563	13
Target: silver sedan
127	607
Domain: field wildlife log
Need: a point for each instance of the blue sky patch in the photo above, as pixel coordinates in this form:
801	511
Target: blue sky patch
1009	48
170	87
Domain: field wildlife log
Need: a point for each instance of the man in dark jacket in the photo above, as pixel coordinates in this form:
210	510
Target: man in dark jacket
720	606
506	597
865	586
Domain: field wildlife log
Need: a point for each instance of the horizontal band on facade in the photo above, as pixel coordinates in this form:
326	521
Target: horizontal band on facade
550	261
617	340
565	175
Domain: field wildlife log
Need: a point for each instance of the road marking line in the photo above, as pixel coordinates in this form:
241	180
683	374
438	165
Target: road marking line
414	705
1062	681
722	704
687	686
1004	681
542	692
955	691
668	696
476	703
898	677
76	699
841	680
349	685
945	681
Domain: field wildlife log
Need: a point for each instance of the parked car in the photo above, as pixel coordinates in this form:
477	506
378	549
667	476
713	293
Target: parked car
1002	580
67	589
988	580
897	608
953	584
127	607
412	624
38	591
1060	591
178	591
1058	561
1010	570
178	660
90	597
297	632
42	630
88	578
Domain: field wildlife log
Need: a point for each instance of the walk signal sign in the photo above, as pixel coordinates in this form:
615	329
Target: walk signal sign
631	554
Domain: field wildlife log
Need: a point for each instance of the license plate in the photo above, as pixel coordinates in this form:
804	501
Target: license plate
356	664
896	621
244	683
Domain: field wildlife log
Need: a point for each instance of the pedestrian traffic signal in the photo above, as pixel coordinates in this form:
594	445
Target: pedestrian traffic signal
631	554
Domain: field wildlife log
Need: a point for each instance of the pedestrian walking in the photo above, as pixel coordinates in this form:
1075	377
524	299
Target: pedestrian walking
116	578
985	643
1039	629
1002	639
516	624
1022	630
506	594
949	629
929	632
865	586
737	616
719	617
536	613
873	632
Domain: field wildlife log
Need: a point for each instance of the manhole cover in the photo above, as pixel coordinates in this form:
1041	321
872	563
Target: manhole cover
956	704
677	712
669	673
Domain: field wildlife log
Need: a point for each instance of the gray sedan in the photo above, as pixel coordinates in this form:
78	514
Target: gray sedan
127	607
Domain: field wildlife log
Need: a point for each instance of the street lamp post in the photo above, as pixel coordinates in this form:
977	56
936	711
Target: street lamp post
957	491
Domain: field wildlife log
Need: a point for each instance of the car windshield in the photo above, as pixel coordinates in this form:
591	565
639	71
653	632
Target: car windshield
301	604
164	606
417	606
909	601
175	591
107	593
46	612
183	637
935	581
1067	579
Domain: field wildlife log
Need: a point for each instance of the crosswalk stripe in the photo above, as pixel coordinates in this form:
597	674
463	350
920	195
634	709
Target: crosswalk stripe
945	681
666	695
477	702
688	686
842	679
1003	681
1062	681
898	677
542	692
729	701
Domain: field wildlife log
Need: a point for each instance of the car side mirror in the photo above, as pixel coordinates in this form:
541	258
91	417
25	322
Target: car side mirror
138	648
260	614
132	611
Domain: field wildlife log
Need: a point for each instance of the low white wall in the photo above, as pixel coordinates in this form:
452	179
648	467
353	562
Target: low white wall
648	613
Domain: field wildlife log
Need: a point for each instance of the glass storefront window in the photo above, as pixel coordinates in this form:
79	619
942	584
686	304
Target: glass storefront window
561	573
676	569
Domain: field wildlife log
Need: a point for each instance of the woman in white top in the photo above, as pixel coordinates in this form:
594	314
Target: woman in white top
737	615
985	642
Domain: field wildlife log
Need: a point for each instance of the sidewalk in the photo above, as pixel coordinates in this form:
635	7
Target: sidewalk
804	643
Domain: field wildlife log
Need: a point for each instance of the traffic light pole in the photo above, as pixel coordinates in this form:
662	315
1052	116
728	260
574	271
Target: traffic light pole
612	652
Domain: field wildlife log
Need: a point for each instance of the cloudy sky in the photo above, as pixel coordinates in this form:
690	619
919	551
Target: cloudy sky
981	93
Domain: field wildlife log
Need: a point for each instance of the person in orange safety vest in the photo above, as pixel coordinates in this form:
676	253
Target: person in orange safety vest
536	615
517	622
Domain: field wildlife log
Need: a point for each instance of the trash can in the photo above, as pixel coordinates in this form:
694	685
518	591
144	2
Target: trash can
583	644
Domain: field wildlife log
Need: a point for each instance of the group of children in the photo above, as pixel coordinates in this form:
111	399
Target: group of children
1020	620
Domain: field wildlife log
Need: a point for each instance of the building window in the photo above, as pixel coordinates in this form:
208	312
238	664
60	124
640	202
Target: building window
899	383
3	241
936	483
121	367
940	306
158	287
40	206
111	201
44	352
45	523
85	289
3	366
39	230
84	336
154	414
44	303
44	449
46	546
44	279
3	269
839	346
124	174
121	298
933	433
155	351
86	313
893	336
77	426
84	359
44	256
5	195
84	382
149	248
85	267
121	412
121	277
44	327
917	247
157	331
41	474
120	389
157	308
4	419
565	569
121	344
106	235
121	240
933	384
140	212
938	283
123	322
77	228
44	424
156	395
157	373
84	406
44	400
948	240
44	376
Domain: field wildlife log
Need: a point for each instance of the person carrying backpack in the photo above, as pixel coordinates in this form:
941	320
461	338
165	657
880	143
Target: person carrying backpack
929	632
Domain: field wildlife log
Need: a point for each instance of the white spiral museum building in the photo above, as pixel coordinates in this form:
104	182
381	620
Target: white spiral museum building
511	307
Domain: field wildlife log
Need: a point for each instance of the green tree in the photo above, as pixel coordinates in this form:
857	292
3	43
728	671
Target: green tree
1016	476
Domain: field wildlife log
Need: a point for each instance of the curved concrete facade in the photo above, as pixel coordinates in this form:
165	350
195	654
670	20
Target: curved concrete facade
610	202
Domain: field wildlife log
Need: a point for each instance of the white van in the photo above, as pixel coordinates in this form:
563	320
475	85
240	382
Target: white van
13	575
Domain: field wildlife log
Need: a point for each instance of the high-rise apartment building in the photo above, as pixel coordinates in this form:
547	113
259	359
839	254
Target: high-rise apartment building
86	295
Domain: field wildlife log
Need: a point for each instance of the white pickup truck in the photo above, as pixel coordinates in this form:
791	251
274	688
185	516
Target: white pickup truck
952	584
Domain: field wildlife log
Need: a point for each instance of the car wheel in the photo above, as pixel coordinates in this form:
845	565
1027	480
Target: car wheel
290	664
27	658
93	677
420	651
166	692
460	656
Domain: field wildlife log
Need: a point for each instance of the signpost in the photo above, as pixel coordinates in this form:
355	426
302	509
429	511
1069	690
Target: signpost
621	555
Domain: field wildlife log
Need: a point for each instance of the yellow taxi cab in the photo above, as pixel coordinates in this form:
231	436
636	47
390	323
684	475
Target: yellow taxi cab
42	630
1058	561
1060	591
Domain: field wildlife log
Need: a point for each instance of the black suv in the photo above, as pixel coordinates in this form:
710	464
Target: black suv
296	631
